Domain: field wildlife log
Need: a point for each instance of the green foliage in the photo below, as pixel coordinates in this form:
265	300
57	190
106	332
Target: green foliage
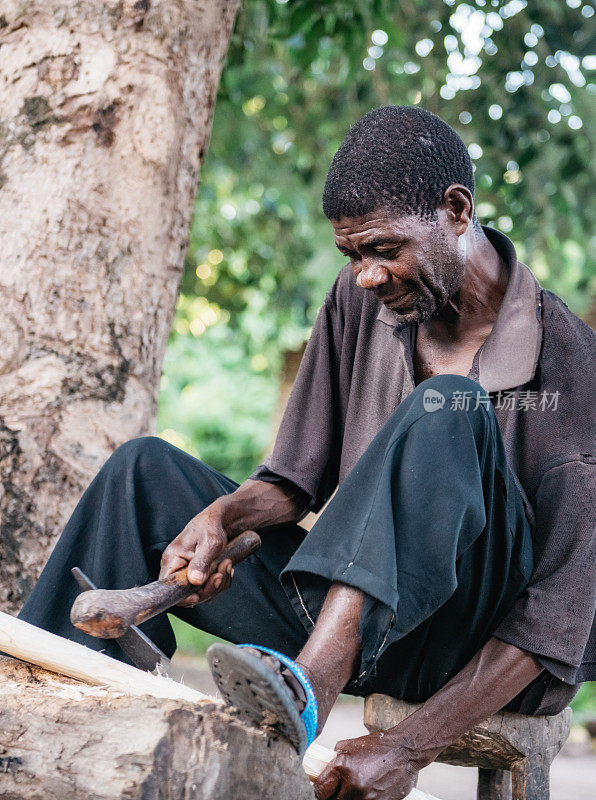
584	702
214	402
513	79
300	73
189	640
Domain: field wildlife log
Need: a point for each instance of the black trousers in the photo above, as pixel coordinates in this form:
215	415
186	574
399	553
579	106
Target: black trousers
429	525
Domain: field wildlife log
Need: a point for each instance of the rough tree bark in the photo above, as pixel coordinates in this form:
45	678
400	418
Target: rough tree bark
105	112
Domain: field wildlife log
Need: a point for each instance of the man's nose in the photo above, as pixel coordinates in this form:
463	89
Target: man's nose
372	276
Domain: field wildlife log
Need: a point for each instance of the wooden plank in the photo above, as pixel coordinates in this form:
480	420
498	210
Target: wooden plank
28	643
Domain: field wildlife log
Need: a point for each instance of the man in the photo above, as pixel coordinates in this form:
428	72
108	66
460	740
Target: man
454	564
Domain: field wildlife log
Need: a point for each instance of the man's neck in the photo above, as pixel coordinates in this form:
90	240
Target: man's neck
474	307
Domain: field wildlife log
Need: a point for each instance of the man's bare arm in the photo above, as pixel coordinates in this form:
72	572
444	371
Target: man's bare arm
496	674
258	504
385	766
253	505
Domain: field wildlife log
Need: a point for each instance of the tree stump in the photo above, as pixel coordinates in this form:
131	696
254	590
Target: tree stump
62	738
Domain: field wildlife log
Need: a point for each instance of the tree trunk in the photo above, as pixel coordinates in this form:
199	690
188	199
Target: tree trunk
289	369
62	738
105	112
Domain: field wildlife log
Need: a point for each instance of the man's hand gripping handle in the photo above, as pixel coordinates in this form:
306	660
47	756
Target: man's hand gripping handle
108	613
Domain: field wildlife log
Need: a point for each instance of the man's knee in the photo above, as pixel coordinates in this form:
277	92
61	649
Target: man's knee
441	406
144	450
148	455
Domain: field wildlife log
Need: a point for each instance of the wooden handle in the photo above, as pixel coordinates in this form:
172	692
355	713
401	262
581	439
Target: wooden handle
108	613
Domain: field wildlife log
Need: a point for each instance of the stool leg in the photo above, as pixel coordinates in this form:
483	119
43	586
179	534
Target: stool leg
531	779
494	784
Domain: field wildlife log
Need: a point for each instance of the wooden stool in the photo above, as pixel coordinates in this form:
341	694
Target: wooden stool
513	752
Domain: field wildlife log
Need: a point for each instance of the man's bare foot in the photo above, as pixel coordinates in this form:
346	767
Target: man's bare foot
332	651
326	694
329	656
288	676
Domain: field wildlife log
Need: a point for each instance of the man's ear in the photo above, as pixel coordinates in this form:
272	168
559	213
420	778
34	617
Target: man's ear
458	205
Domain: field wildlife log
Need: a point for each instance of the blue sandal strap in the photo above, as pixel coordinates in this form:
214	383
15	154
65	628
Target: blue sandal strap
310	715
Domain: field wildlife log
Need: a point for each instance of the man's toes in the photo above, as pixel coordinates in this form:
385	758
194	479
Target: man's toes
288	676
297	689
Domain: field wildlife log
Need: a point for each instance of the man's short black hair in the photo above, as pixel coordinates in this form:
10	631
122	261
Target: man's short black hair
398	158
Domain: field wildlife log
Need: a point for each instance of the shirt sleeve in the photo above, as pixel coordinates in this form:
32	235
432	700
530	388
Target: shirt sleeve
553	618
308	444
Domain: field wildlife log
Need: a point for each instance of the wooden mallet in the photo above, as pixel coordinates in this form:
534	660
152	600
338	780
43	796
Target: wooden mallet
108	613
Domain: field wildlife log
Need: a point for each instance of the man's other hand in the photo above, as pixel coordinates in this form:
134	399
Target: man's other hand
383	766
372	767
197	547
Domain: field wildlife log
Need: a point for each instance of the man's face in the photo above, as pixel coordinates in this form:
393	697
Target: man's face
412	265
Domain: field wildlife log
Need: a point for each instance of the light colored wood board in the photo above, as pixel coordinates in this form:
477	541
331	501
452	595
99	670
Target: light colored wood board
28	643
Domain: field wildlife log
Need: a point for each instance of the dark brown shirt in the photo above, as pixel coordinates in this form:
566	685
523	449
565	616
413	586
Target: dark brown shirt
538	366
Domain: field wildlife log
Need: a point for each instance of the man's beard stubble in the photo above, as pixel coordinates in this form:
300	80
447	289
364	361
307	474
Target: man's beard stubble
437	293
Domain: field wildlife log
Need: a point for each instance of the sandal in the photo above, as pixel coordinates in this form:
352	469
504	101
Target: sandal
264	697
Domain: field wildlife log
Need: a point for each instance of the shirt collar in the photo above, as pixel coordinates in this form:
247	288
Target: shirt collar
509	356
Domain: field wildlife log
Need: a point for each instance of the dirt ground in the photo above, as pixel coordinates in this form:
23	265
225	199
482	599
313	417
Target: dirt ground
573	774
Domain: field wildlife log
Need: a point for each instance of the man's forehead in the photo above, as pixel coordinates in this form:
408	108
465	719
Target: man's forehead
375	225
